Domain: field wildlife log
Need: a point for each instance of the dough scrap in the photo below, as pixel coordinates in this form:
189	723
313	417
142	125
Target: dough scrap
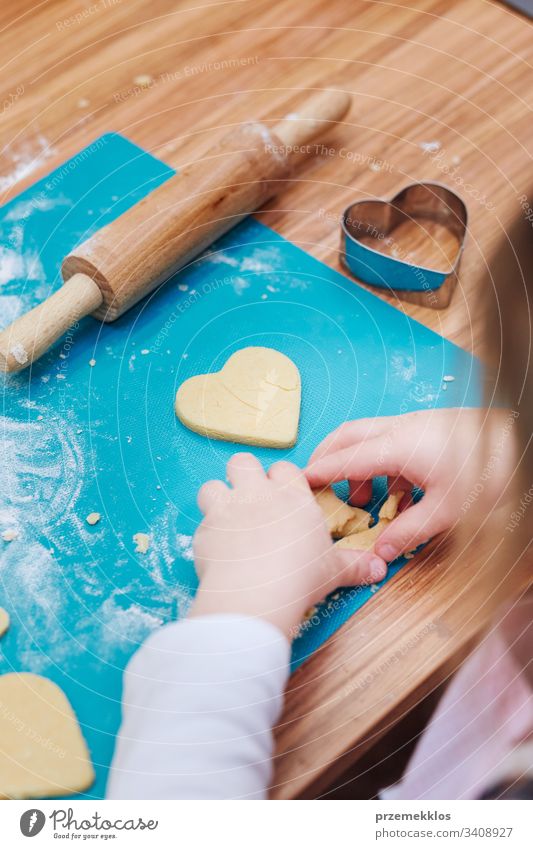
142	542
365	540
341	518
43	751
390	507
10	534
93	518
4	621
254	400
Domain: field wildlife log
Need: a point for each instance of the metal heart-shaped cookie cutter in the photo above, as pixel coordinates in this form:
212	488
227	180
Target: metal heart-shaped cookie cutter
375	221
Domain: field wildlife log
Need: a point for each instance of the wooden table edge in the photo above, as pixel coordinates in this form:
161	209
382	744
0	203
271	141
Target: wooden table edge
356	736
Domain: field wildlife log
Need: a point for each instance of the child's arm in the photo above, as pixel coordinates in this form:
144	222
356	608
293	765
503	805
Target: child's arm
200	699
201	696
444	452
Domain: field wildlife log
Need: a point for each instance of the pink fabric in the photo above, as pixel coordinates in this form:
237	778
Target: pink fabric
484	714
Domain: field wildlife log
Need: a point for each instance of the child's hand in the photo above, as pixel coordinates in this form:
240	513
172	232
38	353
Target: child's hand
263	548
437	450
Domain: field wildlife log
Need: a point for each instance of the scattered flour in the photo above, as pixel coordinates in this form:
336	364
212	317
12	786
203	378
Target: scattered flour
120	628
20	266
430	146
34	586
257	266
24	208
26	159
239	284
403	367
258	260
222	259
20	353
185	546
42	463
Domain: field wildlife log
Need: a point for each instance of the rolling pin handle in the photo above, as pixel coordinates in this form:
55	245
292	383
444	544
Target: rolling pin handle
313	117
30	335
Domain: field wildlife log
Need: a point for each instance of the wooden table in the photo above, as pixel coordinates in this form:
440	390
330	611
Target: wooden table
452	75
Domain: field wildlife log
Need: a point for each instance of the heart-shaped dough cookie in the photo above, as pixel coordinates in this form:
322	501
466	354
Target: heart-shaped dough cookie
254	399
43	752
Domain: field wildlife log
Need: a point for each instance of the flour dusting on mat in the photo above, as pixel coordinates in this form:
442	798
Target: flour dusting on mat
162	566
221	258
24	208
240	284
255	265
185	546
120	627
12	307
403	367
40	482
257	260
33	584
15	265
43	465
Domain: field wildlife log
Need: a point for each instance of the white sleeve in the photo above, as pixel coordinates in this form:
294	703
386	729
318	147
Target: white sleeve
200	699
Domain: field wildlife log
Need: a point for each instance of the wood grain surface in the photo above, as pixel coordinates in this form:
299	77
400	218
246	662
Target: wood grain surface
442	90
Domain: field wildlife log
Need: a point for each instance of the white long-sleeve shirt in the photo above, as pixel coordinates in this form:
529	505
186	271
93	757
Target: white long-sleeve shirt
200	699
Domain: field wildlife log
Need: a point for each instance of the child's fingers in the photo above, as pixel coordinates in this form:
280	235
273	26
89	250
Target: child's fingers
287	473
358	462
414	526
350	433
359	567
211	494
245	470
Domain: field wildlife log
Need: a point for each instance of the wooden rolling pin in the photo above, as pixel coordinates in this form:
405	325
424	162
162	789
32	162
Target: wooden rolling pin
131	256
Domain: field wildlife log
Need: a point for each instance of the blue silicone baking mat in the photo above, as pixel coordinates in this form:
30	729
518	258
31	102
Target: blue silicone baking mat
92	428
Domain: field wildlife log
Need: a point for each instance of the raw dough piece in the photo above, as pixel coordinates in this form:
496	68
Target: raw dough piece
341	518
4	621
43	751
142	542
93	518
10	534
390	508
365	540
254	399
